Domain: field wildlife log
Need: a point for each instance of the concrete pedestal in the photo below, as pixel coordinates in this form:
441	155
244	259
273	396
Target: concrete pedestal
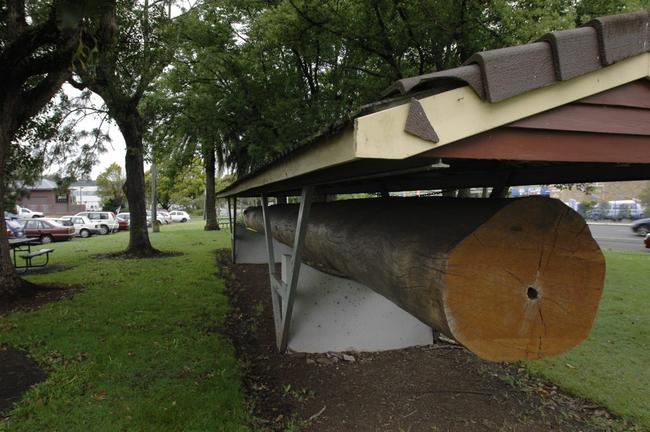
335	314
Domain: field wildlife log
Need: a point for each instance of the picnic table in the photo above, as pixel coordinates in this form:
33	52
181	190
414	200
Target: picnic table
25	245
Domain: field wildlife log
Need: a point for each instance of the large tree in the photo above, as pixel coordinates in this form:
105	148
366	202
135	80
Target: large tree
134	45
39	42
188	118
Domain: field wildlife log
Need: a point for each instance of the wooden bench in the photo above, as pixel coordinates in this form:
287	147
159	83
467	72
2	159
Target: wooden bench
28	257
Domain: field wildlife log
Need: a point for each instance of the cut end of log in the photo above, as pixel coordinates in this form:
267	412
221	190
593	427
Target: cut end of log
524	290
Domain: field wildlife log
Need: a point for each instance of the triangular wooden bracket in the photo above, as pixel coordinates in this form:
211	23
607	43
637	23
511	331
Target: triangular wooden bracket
418	124
283	294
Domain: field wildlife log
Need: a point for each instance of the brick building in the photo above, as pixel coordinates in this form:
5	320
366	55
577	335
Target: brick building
45	197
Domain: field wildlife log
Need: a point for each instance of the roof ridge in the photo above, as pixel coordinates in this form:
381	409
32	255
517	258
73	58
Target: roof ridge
560	55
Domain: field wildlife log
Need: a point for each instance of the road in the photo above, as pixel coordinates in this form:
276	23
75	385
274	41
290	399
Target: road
617	237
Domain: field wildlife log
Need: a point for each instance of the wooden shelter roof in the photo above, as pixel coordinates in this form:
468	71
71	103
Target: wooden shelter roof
572	107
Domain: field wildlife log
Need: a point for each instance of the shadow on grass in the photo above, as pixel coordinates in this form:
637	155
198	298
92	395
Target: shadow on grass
128	255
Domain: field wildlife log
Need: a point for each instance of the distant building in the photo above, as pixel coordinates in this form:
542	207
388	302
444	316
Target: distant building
601	192
45	197
85	193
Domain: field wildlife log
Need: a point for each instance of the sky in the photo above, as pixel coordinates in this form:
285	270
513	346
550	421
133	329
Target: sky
115	153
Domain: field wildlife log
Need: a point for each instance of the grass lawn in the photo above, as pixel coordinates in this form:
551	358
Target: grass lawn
139	348
612	366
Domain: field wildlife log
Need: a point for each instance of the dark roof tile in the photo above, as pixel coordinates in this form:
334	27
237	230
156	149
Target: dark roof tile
575	52
507	72
502	73
464	75
621	36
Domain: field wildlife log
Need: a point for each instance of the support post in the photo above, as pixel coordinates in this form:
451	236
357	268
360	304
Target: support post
276	294
233	229
501	189
283	294
296	259
229	216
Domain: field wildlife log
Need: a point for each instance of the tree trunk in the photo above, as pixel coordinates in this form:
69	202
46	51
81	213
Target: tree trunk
510	279
10	283
131	127
211	221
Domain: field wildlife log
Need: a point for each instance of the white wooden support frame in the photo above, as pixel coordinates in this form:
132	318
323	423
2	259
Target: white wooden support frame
283	294
232	225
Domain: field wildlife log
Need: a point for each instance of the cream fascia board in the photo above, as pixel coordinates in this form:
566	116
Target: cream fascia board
335	150
460	113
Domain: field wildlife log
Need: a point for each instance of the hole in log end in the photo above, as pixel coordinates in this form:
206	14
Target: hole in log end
532	293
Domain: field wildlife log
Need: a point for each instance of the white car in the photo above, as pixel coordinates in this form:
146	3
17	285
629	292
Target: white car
179	216
106	221
159	218
165	216
83	227
25	213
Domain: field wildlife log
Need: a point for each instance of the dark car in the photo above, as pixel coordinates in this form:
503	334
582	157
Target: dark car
47	231
14	229
641	226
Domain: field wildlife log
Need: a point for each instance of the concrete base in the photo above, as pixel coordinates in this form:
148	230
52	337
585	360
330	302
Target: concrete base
251	247
336	314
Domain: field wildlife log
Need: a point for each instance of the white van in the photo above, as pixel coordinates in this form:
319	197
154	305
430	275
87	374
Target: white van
623	209
106	221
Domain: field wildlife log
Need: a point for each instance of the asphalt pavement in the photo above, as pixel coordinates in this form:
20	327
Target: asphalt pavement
617	237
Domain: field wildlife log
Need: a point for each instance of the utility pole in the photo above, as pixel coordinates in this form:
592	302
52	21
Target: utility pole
154	197
155	227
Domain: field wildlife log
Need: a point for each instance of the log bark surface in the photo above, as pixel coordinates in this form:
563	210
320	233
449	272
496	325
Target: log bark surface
510	279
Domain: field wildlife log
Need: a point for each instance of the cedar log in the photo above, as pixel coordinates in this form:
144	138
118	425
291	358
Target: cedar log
510	279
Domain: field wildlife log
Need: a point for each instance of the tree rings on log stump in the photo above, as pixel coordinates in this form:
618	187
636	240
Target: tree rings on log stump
526	284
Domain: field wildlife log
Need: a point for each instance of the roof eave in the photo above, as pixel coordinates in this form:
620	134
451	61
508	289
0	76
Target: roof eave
455	114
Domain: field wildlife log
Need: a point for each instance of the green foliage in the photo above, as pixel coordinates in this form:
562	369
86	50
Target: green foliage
644	196
585	206
137	348
589	9
179	186
109	187
254	79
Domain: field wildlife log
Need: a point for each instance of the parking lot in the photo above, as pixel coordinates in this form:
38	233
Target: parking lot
617	237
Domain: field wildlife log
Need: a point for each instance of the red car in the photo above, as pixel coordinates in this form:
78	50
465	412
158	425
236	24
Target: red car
124	221
47	231
647	241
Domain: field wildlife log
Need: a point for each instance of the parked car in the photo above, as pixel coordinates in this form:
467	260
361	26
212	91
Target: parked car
14	229
641	226
180	216
124	221
83	227
47	231
25	213
60	221
106	220
10	216
159	218
647	241
165	215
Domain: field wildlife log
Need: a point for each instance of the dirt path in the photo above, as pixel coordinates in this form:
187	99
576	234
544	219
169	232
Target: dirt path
441	387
